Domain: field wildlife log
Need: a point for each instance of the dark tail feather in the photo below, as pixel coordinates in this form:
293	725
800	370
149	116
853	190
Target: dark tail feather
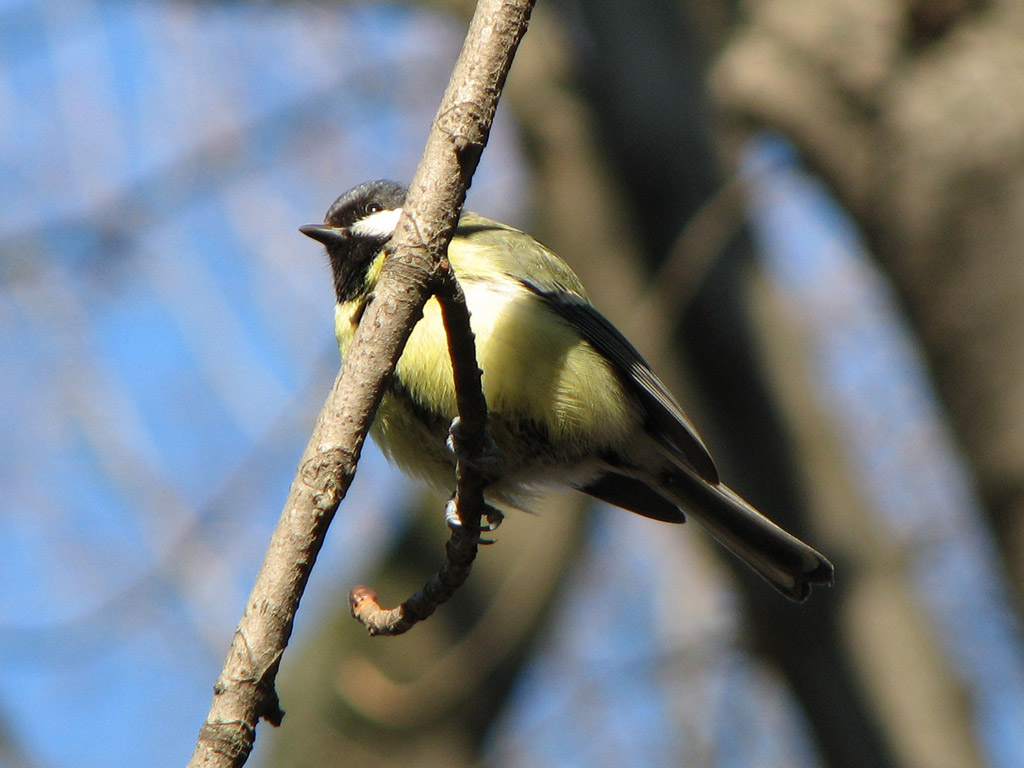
783	560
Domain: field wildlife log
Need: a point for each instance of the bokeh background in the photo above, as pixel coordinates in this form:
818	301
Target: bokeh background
807	215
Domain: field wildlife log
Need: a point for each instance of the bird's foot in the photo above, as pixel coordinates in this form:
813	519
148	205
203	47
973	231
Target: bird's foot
458	443
453	520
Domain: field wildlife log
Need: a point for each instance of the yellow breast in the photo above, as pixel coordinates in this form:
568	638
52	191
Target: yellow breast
536	370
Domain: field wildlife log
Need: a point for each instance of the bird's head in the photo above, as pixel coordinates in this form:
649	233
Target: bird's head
356	227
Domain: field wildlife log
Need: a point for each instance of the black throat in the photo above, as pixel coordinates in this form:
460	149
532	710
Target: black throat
351	267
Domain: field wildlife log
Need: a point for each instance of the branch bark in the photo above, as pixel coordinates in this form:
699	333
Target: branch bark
245	690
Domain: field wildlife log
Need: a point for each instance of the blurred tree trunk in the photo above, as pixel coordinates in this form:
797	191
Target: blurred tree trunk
914	112
642	68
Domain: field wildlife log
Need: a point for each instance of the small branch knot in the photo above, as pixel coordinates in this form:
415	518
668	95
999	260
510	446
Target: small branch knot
325	473
461	123
227	738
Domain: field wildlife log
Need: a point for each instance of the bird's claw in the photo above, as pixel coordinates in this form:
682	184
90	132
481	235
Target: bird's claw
453	520
457	443
494	517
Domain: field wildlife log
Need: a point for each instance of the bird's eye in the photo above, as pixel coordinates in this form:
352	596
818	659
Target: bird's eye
374	208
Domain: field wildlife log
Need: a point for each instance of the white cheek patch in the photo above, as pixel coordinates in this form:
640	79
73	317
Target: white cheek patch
381	224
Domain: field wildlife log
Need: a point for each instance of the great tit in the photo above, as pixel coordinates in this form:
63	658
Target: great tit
570	400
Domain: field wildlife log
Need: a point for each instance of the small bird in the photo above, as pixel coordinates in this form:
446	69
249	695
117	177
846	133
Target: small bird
570	400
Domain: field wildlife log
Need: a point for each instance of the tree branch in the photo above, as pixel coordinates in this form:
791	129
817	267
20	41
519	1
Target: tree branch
244	691
468	499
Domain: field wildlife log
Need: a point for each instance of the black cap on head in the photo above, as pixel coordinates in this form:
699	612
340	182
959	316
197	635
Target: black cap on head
365	200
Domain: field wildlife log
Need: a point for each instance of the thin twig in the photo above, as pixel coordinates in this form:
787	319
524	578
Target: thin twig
461	548
244	691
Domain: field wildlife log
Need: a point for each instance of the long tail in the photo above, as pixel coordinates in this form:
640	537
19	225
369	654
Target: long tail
783	560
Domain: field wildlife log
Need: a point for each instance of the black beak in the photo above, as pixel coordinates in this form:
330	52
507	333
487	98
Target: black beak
327	235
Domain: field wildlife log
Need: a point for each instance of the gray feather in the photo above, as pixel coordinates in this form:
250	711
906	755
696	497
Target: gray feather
783	560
